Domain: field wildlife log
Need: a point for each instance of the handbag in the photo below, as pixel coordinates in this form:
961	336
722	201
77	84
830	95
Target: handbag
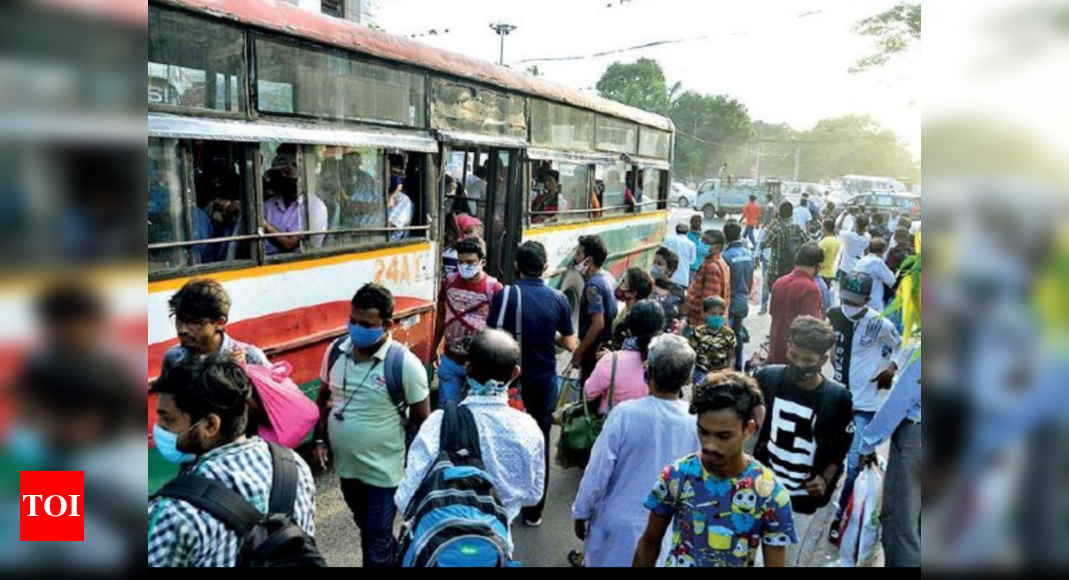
582	426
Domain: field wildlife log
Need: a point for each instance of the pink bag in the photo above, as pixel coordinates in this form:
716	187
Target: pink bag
291	414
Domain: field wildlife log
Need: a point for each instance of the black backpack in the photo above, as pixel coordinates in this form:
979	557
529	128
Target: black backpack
267	541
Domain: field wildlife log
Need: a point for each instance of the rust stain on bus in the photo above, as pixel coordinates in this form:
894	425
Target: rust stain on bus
289	19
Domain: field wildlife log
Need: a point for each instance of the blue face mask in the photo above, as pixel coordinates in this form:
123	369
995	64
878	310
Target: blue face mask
28	446
167	444
657	272
715	322
491	388
365	338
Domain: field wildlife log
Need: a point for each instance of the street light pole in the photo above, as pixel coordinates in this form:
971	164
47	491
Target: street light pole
502	30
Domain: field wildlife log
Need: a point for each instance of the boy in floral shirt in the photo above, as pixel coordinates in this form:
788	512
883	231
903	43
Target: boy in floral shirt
723	504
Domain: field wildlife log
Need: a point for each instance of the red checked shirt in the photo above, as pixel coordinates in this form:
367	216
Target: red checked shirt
712	279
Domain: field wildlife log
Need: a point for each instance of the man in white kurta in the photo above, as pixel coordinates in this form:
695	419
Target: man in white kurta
639	439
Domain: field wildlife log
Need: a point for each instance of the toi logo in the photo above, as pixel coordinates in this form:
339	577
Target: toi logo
51	506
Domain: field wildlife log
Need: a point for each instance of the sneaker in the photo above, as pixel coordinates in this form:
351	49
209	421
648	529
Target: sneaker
836	534
533	524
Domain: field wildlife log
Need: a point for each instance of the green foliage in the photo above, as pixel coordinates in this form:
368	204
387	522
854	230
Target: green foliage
895	31
640	84
709	131
854	144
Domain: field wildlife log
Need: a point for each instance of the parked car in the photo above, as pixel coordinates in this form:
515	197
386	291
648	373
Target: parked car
682	195
892	203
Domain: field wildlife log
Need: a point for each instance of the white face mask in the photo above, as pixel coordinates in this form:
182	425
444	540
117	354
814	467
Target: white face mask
582	267
469	272
854	312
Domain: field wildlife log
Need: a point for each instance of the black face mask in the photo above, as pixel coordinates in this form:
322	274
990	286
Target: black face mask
799	374
286	187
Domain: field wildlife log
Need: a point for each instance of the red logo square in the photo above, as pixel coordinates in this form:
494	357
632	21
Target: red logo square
52	506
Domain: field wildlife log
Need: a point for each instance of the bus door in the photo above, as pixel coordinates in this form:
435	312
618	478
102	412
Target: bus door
484	182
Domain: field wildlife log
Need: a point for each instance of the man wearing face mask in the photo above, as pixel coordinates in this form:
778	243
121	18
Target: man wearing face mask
365	403
863	362
202	409
463	309
597	307
510	440
806	425
287	210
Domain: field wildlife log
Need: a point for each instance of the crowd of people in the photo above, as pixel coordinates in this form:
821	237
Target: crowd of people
669	481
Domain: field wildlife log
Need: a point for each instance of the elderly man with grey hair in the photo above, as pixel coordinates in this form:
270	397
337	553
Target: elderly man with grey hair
640	438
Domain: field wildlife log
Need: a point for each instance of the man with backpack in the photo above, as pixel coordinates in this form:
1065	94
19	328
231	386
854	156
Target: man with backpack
807	425
783	238
239	501
482	436
373	389
541	320
463	308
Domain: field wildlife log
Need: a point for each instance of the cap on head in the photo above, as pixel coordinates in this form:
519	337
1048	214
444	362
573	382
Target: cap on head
857	288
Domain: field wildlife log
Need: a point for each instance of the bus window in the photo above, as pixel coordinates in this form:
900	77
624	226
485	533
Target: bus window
292	202
194	63
166	208
652	189
616	190
212	208
562	192
352	187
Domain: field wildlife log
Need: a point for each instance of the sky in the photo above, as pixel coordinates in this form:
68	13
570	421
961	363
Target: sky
786	60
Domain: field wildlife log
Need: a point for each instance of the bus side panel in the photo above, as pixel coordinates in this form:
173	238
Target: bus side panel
632	241
294	313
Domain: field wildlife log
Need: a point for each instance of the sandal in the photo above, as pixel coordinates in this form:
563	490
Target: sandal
836	534
576	559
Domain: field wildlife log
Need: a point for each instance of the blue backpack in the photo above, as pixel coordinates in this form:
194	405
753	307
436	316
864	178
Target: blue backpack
456	520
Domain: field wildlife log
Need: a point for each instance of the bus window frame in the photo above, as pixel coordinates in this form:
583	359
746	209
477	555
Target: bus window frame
557	156
253	83
245	32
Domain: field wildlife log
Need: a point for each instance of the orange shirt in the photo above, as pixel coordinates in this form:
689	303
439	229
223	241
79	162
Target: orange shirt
752	214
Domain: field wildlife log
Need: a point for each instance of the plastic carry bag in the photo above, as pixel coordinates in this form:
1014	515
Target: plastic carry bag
290	413
861	528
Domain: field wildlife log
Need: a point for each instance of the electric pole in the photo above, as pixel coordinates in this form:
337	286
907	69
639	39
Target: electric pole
502	30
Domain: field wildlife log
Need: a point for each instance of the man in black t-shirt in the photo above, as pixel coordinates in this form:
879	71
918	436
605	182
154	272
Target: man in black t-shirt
807	424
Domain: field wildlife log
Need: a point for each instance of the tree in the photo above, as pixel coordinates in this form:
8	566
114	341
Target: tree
895	31
854	144
640	84
710	130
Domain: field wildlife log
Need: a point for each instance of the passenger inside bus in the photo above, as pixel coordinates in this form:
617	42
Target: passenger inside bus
286	208
546	203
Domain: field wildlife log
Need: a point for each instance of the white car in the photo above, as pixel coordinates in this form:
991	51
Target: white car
682	195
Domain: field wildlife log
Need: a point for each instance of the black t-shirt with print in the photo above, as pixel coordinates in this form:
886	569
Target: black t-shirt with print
804	433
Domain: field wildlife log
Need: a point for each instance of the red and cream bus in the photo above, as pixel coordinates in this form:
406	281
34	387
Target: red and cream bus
258	80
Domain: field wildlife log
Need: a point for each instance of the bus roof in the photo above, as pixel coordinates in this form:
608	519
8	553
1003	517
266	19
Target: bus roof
289	19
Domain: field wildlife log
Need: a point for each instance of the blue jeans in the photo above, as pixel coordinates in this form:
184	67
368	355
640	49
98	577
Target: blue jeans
749	234
740	330
766	286
861	422
451	377
374	513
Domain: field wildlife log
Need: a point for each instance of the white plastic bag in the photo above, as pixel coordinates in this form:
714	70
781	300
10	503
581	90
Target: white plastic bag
861	528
